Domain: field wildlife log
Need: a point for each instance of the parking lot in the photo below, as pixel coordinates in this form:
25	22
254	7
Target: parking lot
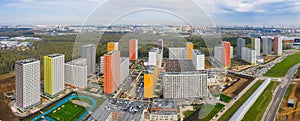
132	109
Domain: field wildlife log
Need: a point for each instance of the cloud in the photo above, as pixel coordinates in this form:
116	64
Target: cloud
30	1
221	11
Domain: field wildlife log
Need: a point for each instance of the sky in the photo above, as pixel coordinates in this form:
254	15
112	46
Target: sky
219	12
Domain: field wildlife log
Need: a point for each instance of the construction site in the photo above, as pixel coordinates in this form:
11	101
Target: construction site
290	108
7	84
234	84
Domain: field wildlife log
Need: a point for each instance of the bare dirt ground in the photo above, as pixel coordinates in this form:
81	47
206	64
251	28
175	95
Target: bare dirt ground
7	84
207	64
237	87
284	109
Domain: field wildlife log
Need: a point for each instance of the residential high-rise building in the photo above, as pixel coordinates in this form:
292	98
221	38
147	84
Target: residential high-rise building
89	52
150	79
153	56
256	46
124	68
267	45
185	85
54	74
198	59
112	46
76	73
278	45
27	92
160	44
176	53
249	55
227	58
189	50
133	49
240	44
223	54
111	71
231	52
102	64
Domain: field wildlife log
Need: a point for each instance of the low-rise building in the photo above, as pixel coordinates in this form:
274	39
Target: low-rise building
163	110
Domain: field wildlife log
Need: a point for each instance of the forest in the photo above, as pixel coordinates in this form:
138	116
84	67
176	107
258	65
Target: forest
64	45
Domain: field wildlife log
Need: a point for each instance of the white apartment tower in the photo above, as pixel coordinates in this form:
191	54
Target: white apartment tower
257	46
249	55
89	52
177	53
240	44
153	56
267	45
27	92
198	59
76	73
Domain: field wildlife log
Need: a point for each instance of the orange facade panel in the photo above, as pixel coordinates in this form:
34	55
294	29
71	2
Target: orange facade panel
133	47
111	72
276	45
150	83
189	50
110	46
226	50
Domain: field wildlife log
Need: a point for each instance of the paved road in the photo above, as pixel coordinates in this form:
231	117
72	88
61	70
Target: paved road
278	96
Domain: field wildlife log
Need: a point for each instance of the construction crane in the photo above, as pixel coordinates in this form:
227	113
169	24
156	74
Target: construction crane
290	112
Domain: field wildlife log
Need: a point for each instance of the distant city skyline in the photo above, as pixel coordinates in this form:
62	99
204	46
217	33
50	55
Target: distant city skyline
221	12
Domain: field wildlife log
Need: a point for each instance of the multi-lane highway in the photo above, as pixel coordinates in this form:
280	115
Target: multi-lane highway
270	114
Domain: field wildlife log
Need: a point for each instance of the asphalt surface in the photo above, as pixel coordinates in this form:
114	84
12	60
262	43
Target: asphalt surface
270	115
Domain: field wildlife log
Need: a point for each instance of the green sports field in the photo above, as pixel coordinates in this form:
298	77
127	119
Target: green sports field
281	68
257	110
67	112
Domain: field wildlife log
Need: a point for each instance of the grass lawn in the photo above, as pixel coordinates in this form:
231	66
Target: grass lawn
225	98
69	112
257	110
188	113
280	69
288	92
227	115
211	113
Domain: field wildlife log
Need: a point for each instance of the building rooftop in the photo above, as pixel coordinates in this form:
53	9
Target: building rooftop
163	103
78	62
198	52
164	106
26	61
180	65
112	52
153	49
54	55
291	101
88	45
